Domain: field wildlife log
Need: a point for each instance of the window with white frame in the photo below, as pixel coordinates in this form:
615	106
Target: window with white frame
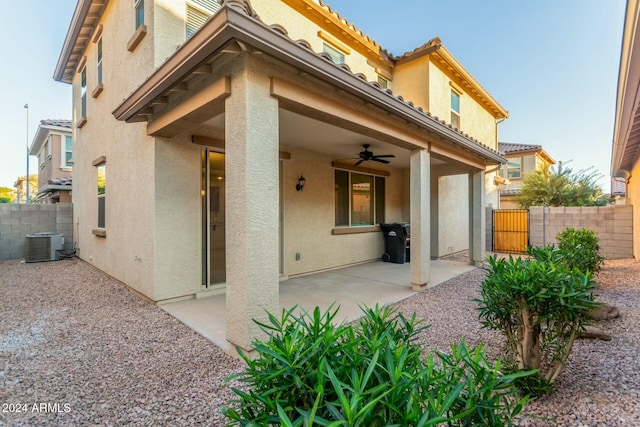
41	157
99	61
336	56
83	92
138	6
67	150
455	109
198	12
359	199
512	169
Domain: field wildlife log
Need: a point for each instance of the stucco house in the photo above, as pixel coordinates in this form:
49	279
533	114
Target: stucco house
195	123
521	160
625	155
53	146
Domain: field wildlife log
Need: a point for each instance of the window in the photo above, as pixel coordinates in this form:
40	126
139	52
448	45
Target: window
336	56
67	150
384	83
138	5
41	156
102	193
49	145
83	93
99	62
513	168
455	109
198	12
359	199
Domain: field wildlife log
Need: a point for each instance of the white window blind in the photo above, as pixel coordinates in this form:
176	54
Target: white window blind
336	56
198	11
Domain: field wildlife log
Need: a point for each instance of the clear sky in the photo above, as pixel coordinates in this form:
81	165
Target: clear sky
552	63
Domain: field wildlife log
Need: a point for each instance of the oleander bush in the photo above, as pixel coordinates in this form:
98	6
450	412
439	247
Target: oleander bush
581	249
311	371
540	306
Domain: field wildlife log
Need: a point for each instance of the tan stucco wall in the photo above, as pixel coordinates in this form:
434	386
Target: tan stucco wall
126	253
453	214
475	120
411	81
309	216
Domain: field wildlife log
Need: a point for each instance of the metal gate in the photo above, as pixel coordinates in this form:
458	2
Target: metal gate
510	230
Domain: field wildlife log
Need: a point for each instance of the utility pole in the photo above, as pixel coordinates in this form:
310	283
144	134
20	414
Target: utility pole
27	183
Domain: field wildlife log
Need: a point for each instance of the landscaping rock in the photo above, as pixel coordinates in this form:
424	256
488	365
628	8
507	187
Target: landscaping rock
604	312
595	333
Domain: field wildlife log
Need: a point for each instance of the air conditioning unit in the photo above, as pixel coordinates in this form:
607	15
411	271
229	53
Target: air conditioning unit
42	246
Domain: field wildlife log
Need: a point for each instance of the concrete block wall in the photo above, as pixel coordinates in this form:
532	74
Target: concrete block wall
612	224
18	220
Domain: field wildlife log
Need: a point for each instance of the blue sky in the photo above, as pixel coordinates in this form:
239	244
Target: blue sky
552	64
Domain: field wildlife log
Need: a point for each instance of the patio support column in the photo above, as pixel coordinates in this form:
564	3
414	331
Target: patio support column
252	204
477	238
420	200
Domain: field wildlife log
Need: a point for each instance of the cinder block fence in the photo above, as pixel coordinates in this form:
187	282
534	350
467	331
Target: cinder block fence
612	224
18	220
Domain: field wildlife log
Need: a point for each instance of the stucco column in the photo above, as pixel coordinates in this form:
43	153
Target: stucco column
420	194
252	206
477	238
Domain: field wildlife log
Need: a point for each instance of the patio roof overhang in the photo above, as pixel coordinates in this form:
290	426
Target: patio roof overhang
232	30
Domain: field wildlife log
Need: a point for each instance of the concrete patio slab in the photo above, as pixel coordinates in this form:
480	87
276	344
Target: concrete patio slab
349	288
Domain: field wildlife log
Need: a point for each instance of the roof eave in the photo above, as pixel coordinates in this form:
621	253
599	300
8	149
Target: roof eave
628	89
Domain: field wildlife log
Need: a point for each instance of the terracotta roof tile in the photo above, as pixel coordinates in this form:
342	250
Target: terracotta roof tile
508	147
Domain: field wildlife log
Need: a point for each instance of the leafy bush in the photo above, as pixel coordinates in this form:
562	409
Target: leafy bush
581	249
312	372
540	306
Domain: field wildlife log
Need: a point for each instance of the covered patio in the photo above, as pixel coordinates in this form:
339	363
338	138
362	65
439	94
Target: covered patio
349	288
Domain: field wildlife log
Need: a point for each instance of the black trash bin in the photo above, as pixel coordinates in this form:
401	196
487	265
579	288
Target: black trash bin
396	242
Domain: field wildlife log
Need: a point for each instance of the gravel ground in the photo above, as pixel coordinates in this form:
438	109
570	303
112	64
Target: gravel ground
93	353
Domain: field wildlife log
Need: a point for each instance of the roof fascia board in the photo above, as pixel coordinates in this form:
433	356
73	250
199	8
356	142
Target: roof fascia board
229	24
628	88
78	18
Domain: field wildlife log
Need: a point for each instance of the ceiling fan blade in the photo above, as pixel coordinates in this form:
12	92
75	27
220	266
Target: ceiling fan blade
359	161
375	159
384	155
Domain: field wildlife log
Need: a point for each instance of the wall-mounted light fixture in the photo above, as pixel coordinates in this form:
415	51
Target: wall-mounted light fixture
300	184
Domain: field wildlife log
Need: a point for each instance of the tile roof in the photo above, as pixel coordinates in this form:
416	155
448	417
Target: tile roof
508	147
67	180
57	122
510	192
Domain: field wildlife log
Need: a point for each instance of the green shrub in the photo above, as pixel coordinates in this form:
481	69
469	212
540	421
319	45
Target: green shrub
580	249
312	372
540	306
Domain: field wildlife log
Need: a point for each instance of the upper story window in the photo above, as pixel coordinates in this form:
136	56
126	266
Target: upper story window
455	109
67	150
41	157
49	145
512	169
384	83
336	56
83	92
138	5
359	199
99	61
198	12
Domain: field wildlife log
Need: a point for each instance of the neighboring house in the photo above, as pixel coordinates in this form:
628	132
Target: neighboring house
53	146
21	189
625	156
619	191
521	160
188	162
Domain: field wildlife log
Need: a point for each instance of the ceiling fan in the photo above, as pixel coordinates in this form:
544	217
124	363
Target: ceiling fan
367	155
